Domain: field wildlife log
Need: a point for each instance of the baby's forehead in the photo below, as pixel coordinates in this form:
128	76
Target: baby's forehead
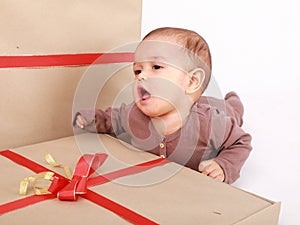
163	51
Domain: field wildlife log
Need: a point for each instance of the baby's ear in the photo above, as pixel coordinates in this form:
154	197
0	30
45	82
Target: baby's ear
197	77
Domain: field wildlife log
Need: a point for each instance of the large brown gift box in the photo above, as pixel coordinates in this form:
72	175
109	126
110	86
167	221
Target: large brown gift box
46	48
165	194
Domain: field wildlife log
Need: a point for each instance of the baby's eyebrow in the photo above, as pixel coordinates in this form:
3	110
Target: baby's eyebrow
160	59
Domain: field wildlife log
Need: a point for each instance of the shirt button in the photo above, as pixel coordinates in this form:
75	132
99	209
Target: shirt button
162	156
161	145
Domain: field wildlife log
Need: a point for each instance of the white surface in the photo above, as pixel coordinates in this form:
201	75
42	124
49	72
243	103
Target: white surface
255	52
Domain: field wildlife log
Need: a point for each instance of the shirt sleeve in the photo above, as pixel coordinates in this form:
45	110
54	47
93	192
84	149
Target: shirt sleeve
233	144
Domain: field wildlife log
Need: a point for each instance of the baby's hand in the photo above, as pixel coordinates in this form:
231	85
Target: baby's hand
212	169
80	121
85	119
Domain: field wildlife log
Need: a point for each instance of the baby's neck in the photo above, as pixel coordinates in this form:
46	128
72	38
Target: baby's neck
168	124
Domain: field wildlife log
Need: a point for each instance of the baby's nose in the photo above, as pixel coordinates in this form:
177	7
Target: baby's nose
142	76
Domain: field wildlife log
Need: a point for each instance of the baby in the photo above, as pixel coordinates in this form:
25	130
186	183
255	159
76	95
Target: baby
169	116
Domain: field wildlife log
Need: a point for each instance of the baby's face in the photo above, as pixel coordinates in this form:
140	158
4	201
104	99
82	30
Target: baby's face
160	80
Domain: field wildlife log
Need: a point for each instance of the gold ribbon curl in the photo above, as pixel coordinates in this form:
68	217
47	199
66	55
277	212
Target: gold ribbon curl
48	176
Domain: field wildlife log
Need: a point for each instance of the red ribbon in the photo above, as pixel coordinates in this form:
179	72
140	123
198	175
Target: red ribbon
69	190
65	59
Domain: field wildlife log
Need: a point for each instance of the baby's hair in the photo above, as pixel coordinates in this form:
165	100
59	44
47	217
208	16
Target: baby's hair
190	40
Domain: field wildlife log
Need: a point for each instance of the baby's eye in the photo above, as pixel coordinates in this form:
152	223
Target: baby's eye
157	67
137	72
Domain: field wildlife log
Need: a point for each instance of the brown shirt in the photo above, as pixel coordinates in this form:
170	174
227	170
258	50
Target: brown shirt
212	131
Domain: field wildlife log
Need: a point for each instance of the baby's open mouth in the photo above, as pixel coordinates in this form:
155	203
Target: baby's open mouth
143	93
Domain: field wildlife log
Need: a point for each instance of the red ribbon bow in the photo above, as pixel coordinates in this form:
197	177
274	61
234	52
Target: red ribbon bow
69	190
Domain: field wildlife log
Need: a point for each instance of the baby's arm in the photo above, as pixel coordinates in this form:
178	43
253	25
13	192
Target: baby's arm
99	121
234	149
221	129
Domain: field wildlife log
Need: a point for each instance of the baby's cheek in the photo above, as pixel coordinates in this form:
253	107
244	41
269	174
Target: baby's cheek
183	82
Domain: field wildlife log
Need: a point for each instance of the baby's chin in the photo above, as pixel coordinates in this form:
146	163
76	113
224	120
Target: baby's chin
148	110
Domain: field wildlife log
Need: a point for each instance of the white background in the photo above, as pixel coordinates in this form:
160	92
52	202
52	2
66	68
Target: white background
255	52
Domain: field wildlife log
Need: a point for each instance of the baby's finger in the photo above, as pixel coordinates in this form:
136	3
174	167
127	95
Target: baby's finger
79	124
80	121
208	170
220	178
215	173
